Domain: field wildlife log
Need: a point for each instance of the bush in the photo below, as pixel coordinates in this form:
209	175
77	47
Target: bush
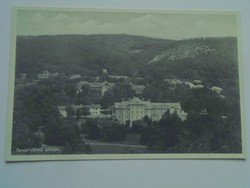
112	132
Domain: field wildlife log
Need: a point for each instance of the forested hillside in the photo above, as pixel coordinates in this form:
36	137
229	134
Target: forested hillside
203	58
213	124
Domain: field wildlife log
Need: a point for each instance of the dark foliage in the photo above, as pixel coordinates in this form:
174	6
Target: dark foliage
37	120
211	60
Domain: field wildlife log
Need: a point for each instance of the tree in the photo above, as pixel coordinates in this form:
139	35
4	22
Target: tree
70	89
70	111
73	141
78	113
112	131
88	96
91	130
164	135
54	135
85	111
138	126
35	108
107	99
120	91
152	93
169	130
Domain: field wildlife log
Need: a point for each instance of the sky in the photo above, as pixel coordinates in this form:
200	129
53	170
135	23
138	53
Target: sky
165	25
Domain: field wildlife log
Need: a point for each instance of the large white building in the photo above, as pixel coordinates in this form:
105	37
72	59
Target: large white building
135	109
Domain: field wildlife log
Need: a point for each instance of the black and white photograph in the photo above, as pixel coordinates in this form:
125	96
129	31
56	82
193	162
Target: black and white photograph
124	84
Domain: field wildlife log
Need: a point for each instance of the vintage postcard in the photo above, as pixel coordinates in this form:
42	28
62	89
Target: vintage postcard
124	84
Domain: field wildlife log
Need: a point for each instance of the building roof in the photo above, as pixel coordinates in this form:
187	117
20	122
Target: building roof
106	83
197	86
139	78
147	104
76	76
190	84
139	86
166	105
92	106
135	100
75	107
217	89
118	77
197	81
61	107
95	85
173	81
82	83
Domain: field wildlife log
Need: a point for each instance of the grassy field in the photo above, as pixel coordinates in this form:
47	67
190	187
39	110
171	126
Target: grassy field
130	145
108	148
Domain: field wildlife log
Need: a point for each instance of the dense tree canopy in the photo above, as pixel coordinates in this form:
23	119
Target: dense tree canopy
37	120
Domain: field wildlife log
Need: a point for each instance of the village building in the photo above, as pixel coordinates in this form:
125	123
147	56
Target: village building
216	89
203	111
80	84
101	87
97	86
139	78
198	86
119	77
23	75
173	81
104	71
44	75
76	76
55	74
136	109
197	82
190	84
138	88
62	110
94	112
94	109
